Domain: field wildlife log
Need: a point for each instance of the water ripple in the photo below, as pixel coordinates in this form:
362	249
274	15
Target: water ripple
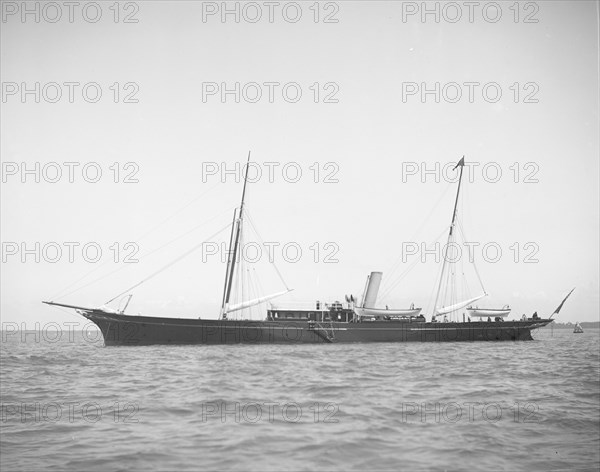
72	406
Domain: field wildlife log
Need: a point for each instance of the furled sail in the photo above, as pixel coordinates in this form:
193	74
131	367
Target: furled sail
372	289
449	309
255	301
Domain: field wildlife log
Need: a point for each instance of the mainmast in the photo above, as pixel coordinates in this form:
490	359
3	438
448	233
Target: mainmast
460	164
238	216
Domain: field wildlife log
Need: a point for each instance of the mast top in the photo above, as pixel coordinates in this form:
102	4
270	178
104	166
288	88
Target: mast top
245	182
460	163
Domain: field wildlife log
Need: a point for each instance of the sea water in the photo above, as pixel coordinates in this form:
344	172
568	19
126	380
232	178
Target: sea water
69	403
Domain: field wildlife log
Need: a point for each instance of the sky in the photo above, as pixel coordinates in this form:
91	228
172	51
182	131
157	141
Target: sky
515	94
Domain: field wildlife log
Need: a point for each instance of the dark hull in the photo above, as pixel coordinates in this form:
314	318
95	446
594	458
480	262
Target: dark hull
125	330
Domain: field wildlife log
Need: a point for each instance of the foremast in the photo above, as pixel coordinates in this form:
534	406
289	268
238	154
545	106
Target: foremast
234	240
457	306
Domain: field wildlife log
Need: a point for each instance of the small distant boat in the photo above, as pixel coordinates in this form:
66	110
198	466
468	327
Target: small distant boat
578	328
489	312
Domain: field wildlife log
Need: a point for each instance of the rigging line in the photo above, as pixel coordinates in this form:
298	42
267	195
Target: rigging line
395	265
125	266
243	268
259	287
456	269
252	286
250	291
58	294
437	281
261	291
253	289
433	289
238	276
446	283
462	232
258	283
447	280
195	199
257	294
187	253
271	260
234	286
458	287
424	222
385	294
467	292
393	284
